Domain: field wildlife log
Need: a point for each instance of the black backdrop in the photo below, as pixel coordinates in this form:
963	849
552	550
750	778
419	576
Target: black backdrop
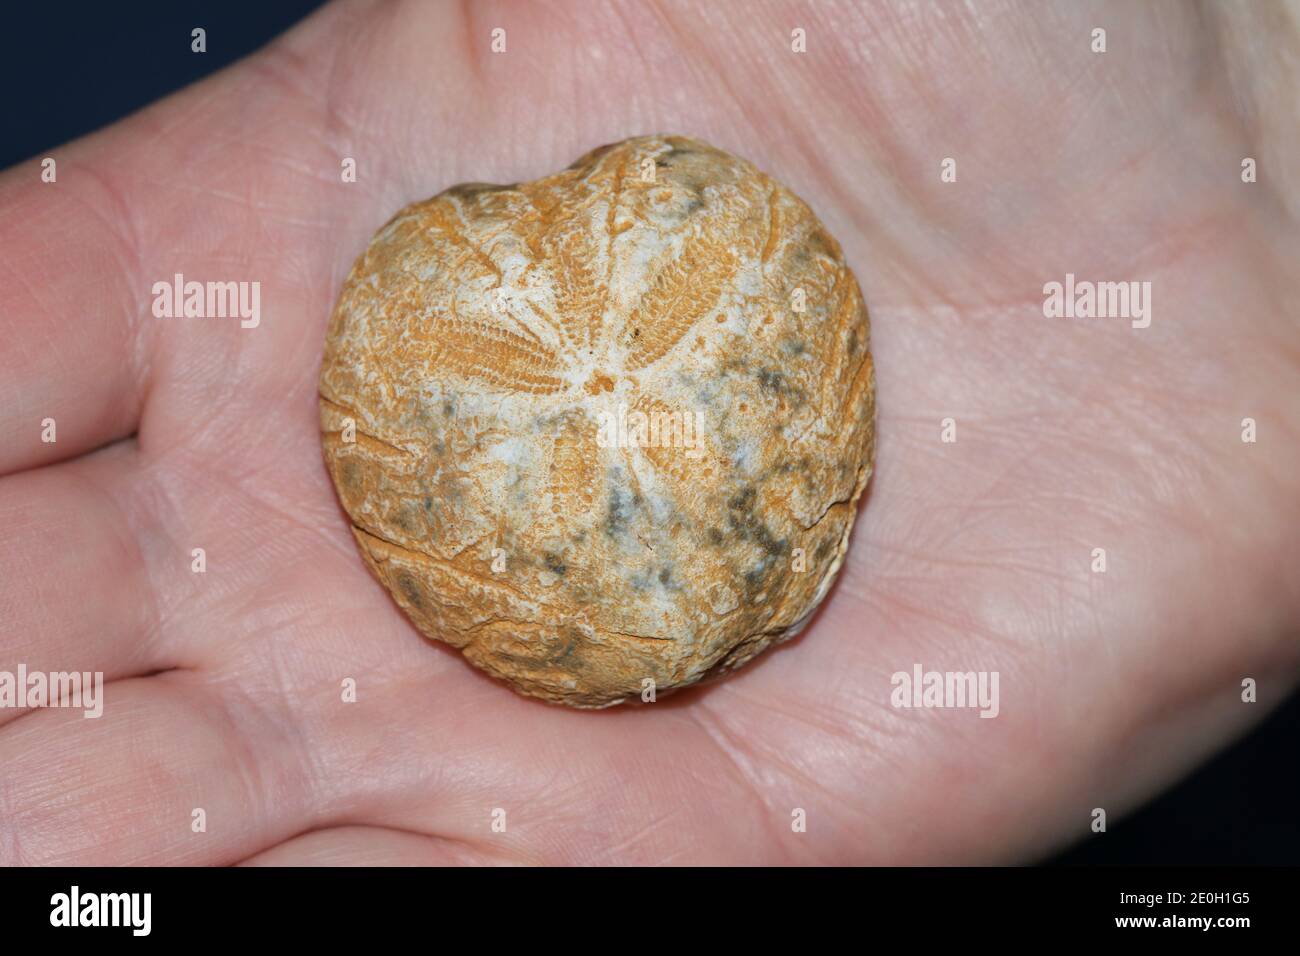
67	69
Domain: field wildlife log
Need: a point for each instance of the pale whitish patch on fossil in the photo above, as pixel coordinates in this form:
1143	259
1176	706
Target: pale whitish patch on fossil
476	343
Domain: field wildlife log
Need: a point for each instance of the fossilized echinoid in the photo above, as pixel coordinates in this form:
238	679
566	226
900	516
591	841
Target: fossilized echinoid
611	425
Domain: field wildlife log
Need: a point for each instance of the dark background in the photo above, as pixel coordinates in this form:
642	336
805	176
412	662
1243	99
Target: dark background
69	69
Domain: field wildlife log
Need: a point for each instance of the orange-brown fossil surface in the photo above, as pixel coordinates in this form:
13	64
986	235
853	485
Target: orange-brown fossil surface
606	430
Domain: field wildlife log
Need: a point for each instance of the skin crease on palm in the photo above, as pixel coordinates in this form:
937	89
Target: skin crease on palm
1072	434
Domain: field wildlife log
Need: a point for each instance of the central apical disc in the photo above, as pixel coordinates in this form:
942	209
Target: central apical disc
604	431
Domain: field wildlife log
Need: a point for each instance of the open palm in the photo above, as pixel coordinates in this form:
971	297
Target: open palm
1072	434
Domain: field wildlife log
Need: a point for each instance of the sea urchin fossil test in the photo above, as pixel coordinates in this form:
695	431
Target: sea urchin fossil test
604	428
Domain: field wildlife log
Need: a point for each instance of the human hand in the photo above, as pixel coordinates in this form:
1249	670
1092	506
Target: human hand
973	555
